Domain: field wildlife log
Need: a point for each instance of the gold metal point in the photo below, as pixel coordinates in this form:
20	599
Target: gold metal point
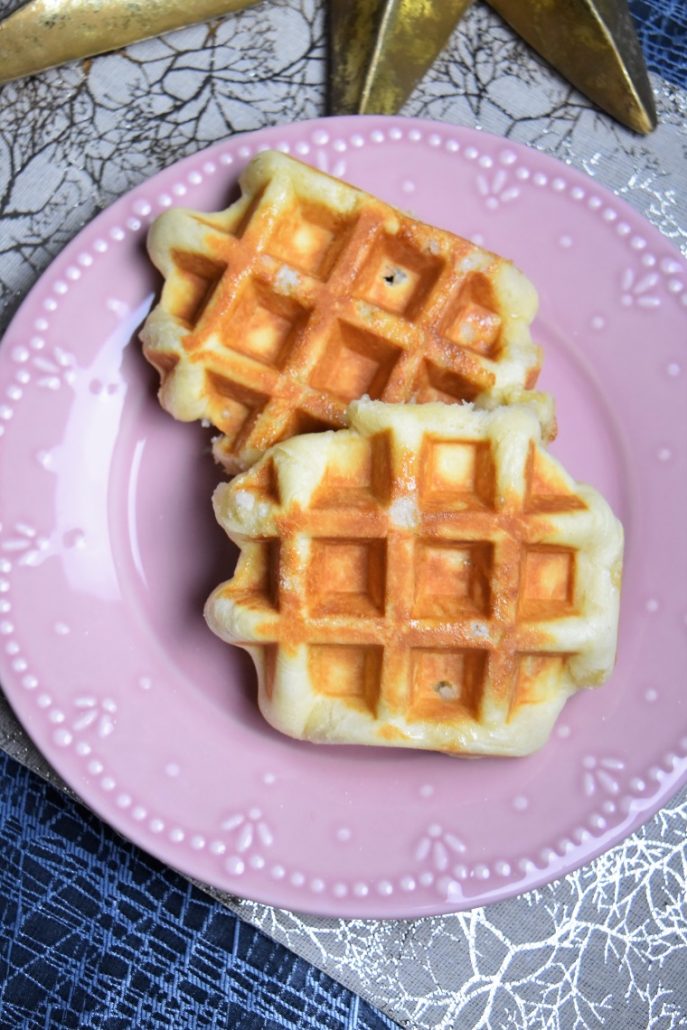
593	44
380	49
43	34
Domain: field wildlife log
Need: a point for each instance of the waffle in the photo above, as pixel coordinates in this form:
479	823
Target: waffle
308	293
429	578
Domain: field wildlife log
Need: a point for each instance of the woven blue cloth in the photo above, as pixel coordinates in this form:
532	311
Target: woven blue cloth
96	934
662	29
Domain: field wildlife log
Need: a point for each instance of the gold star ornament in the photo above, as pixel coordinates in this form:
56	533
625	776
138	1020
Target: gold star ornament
379	49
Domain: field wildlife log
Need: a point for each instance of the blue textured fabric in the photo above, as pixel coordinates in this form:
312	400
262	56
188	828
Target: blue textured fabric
96	934
662	29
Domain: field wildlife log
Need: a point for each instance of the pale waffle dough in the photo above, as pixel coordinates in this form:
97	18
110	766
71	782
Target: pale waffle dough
429	578
308	293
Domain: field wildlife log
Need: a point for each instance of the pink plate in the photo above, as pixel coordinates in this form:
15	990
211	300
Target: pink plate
108	548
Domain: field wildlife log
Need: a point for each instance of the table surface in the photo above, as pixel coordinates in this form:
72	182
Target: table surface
96	933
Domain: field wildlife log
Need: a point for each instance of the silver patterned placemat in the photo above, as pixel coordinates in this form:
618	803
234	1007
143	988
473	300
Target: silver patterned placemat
606	945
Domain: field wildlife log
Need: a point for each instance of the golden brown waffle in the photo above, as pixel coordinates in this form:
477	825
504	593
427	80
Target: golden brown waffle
429	578
308	293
